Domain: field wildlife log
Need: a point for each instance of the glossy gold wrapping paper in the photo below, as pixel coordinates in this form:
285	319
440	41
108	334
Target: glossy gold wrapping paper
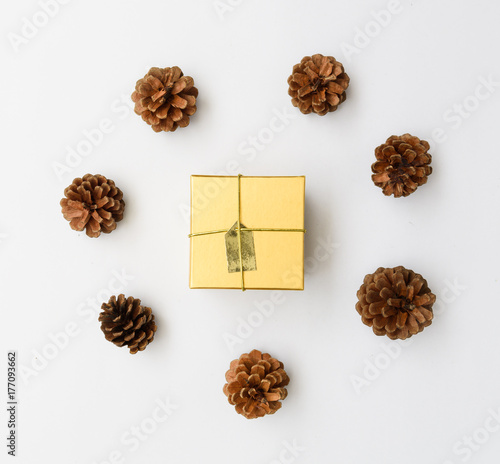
266	202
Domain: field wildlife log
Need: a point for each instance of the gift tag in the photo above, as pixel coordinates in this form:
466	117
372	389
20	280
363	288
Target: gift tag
247	250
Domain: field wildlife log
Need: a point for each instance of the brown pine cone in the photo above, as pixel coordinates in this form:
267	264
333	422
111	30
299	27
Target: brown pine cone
93	203
318	84
395	302
402	165
165	98
255	384
124	321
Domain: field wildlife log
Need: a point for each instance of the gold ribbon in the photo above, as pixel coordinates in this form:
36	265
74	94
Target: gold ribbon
239	229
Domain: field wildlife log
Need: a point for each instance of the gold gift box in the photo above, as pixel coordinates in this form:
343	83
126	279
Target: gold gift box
254	223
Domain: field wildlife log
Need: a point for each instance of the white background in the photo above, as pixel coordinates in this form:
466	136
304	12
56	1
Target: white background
349	402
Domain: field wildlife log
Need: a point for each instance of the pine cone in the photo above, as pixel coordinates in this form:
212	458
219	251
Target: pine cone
256	384
93	203
125	321
402	165
396	302
318	84
165	98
